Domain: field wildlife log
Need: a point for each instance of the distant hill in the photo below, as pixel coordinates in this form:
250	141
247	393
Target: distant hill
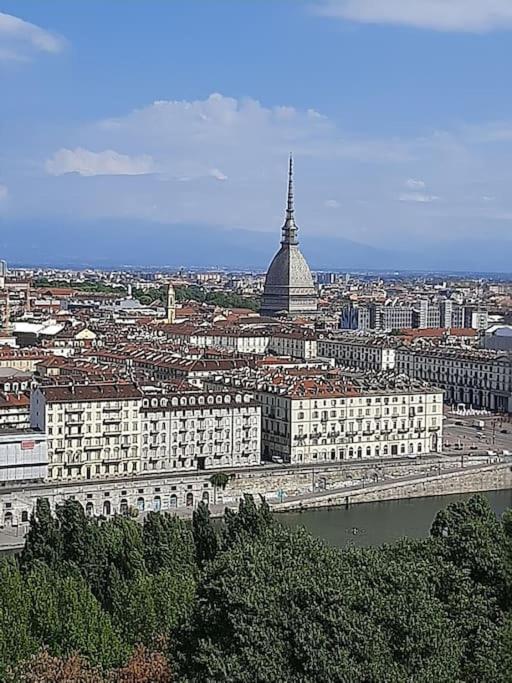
133	243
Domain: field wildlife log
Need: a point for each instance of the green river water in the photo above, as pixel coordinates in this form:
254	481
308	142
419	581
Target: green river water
375	523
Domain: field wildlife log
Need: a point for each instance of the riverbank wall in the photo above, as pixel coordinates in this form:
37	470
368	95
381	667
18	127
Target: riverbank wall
472	479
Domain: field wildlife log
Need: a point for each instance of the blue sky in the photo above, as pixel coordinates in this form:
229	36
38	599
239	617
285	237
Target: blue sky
162	119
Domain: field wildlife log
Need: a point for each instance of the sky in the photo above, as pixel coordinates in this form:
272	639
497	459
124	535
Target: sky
156	132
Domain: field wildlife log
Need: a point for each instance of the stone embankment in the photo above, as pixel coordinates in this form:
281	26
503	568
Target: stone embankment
469	479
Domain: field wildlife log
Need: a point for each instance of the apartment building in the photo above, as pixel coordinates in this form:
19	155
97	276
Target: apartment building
298	344
117	429
359	353
474	377
250	339
200	431
398	314
310	417
93	430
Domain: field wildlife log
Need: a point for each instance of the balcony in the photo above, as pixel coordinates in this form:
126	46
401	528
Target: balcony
111	419
111	408
368	432
433	429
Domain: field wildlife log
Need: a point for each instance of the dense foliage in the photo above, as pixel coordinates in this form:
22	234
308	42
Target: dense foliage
199	294
249	600
159	294
81	286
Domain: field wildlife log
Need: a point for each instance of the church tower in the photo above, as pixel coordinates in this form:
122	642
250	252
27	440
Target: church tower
289	287
171	304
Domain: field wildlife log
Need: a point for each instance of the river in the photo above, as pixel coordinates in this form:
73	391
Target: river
383	522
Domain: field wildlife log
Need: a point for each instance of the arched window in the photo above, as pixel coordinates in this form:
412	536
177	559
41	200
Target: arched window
206	497
123	506
140	504
190	499
89	508
8	519
157	504
173	501
107	508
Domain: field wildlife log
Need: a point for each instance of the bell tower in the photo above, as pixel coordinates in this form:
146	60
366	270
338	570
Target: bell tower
171	304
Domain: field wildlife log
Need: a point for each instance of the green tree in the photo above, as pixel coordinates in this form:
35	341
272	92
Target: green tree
475	541
168	544
250	522
74	531
205	536
16	642
44	540
66	617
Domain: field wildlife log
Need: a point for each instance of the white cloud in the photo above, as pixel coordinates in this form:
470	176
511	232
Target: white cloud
218	175
3	192
233	127
220	161
418	197
413	184
87	163
19	39
441	15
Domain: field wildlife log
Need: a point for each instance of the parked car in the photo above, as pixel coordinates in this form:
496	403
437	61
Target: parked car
503	431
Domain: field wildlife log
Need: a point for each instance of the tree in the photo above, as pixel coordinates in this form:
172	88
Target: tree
168	543
74	531
143	666
219	480
67	618
292	609
44	668
44	540
250	522
16	642
474	541
205	536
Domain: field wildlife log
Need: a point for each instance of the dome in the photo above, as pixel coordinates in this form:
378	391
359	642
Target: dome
289	269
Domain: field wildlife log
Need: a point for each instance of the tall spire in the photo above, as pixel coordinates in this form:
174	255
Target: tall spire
289	227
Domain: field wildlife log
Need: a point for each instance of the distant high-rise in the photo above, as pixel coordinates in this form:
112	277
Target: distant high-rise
289	287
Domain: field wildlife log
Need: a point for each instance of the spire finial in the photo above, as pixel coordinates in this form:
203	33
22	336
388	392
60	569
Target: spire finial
289	227
290	208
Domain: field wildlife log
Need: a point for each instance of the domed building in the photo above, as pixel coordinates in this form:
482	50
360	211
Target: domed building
289	287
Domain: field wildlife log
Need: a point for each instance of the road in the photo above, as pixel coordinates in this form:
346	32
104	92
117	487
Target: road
460	430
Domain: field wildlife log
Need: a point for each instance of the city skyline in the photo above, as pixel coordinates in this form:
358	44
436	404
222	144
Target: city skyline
174	155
